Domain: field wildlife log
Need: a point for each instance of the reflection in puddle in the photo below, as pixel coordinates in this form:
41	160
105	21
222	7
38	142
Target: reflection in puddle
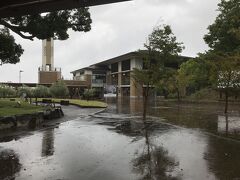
206	116
48	143
113	145
165	151
223	159
153	161
9	164
229	124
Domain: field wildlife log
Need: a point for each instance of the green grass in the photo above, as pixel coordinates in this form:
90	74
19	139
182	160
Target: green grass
85	103
205	94
79	102
9	108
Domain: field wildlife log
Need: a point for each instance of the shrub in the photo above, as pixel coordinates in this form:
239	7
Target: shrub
89	93
6	91
24	91
59	90
205	94
41	92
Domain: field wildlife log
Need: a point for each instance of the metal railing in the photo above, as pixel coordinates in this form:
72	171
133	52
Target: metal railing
47	68
97	81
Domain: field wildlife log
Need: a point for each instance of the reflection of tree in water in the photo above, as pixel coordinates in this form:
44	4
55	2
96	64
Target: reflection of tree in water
9	164
223	158
48	143
154	163
229	125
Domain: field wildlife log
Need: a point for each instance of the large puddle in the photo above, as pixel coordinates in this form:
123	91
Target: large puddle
188	142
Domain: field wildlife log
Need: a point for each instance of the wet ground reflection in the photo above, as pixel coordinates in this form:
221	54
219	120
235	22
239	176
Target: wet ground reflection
230	125
176	142
153	161
223	159
48	143
205	116
170	152
9	164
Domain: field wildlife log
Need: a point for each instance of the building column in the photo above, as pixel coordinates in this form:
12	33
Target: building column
119	93
135	88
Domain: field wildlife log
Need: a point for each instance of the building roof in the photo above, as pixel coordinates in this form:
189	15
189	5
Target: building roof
127	56
9	8
108	61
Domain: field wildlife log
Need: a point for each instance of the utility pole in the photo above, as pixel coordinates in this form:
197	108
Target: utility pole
20	76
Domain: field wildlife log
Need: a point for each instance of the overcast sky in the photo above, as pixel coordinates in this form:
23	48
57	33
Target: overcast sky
118	29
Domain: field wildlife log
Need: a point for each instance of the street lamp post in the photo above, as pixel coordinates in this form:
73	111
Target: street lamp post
20	76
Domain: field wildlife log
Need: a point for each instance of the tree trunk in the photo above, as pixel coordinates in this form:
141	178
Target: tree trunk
178	95
226	101
220	93
226	92
144	108
36	101
145	101
226	116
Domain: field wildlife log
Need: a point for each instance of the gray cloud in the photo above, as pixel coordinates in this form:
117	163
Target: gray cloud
117	29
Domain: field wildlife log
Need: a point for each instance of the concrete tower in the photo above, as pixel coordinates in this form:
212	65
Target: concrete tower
47	53
47	73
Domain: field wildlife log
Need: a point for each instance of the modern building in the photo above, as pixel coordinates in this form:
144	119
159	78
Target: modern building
116	74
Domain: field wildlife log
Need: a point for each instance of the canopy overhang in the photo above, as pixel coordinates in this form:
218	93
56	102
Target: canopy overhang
9	8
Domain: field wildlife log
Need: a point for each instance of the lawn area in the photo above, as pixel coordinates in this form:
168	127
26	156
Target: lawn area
9	108
86	103
79	102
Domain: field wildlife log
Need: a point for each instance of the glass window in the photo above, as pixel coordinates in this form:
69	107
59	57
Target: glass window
126	65
126	78
114	79
114	67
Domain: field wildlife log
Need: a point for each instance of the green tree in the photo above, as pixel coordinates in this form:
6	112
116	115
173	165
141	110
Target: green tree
224	34
181	83
40	92
167	83
25	92
89	93
6	91
223	38
195	74
225	75
148	75
43	26
161	47
59	90
10	52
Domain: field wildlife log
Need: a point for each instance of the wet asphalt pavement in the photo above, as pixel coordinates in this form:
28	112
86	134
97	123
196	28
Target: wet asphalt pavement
188	142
